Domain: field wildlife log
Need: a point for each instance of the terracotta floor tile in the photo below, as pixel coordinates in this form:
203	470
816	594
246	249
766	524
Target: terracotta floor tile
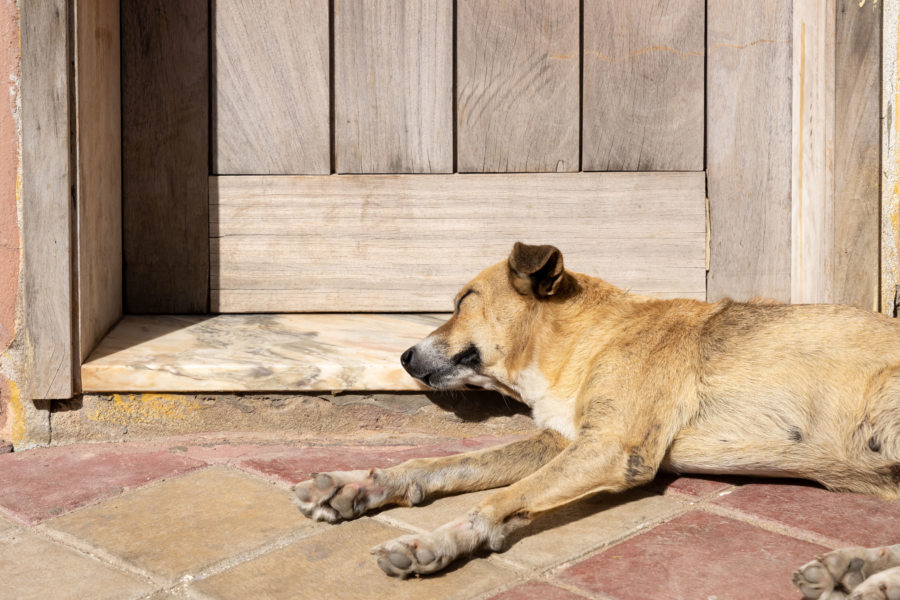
336	564
32	568
40	484
536	590
853	519
689	485
696	556
182	525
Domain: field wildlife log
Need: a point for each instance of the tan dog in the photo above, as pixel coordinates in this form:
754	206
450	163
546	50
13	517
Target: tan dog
625	385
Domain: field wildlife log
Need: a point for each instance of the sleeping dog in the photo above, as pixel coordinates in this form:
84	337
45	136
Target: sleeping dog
624	385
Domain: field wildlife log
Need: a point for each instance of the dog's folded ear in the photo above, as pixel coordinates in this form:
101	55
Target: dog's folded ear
536	270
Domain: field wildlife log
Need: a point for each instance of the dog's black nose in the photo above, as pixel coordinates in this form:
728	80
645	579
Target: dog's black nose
406	358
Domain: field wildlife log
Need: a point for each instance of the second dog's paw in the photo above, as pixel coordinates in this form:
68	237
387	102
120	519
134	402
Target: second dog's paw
414	555
881	586
836	574
339	495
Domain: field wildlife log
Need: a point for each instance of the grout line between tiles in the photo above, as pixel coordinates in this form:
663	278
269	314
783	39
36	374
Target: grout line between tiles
590	550
85	548
775	527
254	553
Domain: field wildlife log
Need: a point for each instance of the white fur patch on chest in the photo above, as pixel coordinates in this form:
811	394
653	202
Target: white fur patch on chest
549	410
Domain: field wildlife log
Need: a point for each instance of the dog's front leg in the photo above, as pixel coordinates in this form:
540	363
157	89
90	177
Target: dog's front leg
348	494
592	463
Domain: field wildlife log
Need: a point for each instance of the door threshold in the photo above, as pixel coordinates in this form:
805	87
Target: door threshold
256	353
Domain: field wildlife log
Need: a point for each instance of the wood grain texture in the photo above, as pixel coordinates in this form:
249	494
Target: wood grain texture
857	139
99	169
47	198
393	64
165	155
271	112
407	243
812	174
643	85
749	148
518	85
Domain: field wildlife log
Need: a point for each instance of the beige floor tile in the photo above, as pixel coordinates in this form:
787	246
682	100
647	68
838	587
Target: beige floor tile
32	568
183	525
561	535
5	525
337	564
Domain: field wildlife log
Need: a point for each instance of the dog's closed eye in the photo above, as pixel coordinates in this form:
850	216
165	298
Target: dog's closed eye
470	357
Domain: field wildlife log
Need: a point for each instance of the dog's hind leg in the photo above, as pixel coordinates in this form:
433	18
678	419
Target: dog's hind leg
842	571
343	495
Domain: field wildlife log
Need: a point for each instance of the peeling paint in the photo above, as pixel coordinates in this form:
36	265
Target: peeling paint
146	409
16	413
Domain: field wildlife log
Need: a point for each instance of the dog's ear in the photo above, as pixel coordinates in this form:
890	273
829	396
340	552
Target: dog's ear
536	270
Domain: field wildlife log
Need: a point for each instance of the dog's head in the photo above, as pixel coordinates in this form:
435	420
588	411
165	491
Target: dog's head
488	338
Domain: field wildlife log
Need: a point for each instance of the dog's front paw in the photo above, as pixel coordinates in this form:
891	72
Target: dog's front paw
339	495
414	555
881	586
836	573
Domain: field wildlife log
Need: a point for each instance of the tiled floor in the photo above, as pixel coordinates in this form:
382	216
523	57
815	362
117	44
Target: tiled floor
179	522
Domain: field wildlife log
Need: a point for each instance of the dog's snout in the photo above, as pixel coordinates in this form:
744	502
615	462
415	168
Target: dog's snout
406	357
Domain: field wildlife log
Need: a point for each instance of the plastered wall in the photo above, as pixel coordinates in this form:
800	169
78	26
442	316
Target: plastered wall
12	424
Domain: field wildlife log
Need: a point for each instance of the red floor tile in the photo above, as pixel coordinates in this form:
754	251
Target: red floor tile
295	465
40	484
692	486
696	556
854	519
536	590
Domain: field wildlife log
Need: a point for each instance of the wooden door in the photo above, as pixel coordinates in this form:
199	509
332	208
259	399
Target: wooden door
458	128
373	155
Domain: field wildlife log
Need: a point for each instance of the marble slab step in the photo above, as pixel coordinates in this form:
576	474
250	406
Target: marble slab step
256	353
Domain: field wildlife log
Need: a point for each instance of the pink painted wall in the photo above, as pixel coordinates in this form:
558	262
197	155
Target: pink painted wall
9	161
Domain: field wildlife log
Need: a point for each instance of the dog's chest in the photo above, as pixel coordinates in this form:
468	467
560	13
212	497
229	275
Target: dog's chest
548	409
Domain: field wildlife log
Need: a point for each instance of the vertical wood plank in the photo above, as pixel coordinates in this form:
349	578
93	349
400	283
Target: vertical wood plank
271	103
749	148
643	85
812	175
165	155
890	160
47	198
857	139
99	169
518	86
393	75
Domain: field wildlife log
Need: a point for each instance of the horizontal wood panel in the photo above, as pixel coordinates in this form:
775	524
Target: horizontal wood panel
407	243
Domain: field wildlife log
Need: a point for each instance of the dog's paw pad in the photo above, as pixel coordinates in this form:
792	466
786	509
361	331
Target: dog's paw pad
336	496
814	580
410	555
